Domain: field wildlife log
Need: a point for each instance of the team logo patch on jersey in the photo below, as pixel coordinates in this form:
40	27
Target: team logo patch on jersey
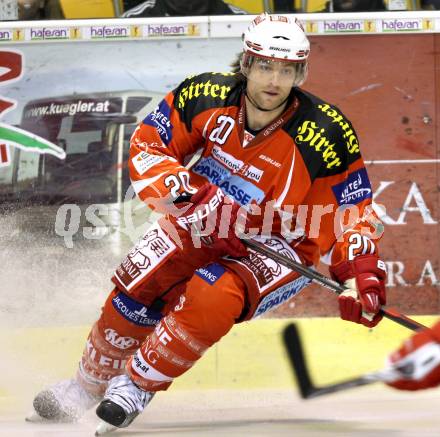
267	272
143	161
251	172
201	89
242	191
354	189
160	120
313	136
349	135
237	166
147	255
281	295
212	170
119	341
227	159
134	311
234	186
211	273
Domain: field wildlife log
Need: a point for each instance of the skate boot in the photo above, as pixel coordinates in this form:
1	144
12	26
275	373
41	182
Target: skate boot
123	401
65	401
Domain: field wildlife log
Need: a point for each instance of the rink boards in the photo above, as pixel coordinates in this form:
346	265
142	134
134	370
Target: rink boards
251	356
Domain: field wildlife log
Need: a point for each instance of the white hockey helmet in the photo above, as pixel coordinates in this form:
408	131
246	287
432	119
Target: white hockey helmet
276	37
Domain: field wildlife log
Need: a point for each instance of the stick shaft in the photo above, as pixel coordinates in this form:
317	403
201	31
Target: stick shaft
322	280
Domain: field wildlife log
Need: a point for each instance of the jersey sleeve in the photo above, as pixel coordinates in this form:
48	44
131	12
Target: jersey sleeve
358	229
158	149
340	220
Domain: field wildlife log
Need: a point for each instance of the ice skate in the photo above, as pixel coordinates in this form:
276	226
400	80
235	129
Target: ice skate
65	401
123	402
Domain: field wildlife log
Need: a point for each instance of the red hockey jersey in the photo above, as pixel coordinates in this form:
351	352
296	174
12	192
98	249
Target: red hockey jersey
303	173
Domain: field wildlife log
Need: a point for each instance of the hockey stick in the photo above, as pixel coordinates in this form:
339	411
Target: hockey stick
320	279
307	388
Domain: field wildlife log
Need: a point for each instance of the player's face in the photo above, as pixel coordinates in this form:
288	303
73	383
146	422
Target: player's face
270	82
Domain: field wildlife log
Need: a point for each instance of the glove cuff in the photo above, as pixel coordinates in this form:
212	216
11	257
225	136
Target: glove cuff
345	270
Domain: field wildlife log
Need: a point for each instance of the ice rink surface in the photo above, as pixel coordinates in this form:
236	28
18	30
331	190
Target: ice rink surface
48	306
370	411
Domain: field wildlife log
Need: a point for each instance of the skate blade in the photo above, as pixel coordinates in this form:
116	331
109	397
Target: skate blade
104	428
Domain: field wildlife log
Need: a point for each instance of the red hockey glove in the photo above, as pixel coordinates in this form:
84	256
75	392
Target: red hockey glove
211	218
417	362
365	279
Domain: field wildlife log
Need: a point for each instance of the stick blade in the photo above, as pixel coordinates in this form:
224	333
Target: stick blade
295	352
308	390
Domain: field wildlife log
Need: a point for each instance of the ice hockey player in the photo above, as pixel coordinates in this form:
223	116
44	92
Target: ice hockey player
275	159
417	361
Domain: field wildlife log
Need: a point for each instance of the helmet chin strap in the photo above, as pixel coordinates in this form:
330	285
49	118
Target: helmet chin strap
254	103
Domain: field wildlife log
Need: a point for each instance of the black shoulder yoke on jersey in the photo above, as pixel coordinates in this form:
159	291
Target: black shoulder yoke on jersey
206	91
326	139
